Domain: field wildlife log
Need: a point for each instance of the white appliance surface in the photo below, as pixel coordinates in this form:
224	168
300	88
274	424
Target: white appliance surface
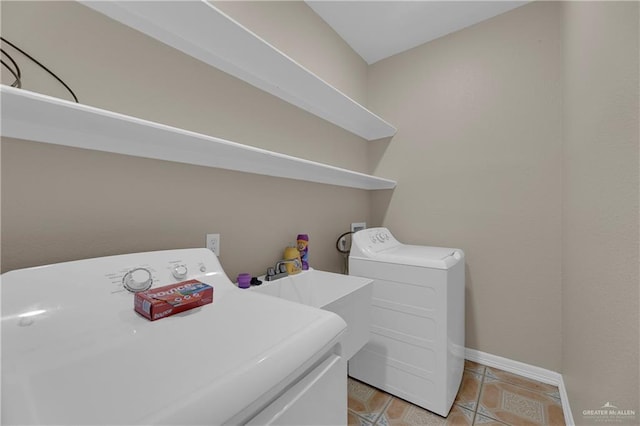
416	351
74	351
378	244
347	296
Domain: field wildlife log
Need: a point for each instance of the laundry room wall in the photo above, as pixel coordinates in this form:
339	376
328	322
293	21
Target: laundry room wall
61	203
477	158
315	46
600	301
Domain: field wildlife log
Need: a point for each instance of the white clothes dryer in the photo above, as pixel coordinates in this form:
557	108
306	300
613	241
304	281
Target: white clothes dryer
75	352
416	351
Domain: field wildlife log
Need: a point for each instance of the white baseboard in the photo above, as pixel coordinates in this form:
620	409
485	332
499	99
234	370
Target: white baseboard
525	370
516	367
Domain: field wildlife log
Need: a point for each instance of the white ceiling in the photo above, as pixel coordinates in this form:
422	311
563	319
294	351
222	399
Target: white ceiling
379	29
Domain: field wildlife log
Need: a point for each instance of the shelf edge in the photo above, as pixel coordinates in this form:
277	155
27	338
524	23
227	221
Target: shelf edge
279	75
41	118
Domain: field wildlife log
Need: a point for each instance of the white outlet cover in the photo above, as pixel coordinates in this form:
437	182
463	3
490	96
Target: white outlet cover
213	243
358	226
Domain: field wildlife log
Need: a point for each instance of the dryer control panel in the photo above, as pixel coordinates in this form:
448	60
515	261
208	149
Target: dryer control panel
158	269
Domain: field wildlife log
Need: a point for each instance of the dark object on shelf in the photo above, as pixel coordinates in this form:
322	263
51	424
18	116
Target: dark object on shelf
16	70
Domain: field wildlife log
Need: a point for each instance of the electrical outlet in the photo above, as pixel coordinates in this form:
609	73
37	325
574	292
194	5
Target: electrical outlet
213	243
355	227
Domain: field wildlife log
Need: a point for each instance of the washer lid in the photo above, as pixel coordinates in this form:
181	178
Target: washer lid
428	257
75	354
378	244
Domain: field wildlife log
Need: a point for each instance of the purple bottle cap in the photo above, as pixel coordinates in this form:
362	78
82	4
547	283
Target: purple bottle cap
244	280
304	237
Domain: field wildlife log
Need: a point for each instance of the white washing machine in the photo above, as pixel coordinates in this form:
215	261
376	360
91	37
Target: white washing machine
416	351
75	352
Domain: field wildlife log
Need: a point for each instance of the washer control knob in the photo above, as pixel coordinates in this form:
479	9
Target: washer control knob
179	272
138	279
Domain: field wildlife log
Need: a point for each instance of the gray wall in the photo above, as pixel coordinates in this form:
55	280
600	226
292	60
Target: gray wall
477	157
61	203
600	218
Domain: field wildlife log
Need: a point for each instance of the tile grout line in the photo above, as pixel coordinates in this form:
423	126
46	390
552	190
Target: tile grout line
475	412
374	423
474	372
480	395
486	369
375	419
484	374
519	386
361	417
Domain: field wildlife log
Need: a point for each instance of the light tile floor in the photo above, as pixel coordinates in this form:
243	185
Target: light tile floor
487	396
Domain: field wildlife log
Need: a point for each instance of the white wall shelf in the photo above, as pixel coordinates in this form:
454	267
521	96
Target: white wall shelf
36	117
202	31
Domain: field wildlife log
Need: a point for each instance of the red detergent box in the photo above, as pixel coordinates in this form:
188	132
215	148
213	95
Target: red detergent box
172	299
